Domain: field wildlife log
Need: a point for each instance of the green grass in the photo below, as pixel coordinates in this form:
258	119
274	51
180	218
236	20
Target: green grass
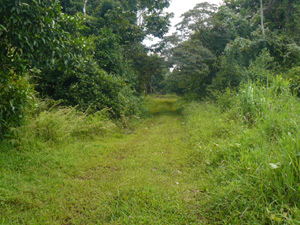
235	162
249	155
50	174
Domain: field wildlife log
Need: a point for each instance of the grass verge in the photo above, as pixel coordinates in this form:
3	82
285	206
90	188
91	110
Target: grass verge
249	155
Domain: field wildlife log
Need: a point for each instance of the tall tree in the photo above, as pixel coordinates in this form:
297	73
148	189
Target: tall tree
262	17
196	19
190	61
84	8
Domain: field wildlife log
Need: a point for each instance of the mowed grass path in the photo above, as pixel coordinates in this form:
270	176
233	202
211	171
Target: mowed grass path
142	177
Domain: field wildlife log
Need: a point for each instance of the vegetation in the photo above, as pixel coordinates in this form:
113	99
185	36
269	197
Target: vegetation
214	47
83	142
83	61
249	149
90	171
245	58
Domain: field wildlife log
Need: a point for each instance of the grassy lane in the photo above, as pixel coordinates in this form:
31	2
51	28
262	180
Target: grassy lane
143	177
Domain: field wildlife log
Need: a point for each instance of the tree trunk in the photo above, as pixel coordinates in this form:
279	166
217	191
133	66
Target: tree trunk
84	8
262	18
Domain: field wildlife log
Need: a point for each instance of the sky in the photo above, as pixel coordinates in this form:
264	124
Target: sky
178	7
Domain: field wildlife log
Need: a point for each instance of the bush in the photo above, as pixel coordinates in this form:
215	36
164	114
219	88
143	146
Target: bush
83	84
294	76
16	100
256	99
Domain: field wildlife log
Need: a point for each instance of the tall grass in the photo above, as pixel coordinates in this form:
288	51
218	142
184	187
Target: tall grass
55	125
43	164
250	154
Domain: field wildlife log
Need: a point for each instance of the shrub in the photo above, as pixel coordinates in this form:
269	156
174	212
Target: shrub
294	76
236	68
83	84
16	100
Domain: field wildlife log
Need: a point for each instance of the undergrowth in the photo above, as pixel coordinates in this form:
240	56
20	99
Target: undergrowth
248	148
60	124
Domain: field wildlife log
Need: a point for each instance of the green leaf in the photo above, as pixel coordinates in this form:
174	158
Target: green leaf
2	28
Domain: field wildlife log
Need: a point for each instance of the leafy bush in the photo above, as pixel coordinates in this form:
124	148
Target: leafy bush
294	76
16	99
26	27
89	88
77	79
64	58
240	64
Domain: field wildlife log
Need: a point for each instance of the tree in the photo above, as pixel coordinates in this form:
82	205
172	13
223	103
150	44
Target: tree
197	60
151	70
191	61
262	18
196	19
30	38
118	29
40	44
84	8
282	16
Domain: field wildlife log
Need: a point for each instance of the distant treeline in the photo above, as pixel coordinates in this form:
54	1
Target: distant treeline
215	48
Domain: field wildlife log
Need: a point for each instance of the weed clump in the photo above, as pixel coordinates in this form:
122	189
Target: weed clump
56	125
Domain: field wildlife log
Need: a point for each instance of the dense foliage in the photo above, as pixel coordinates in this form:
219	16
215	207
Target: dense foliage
26	27
231	37
81	60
